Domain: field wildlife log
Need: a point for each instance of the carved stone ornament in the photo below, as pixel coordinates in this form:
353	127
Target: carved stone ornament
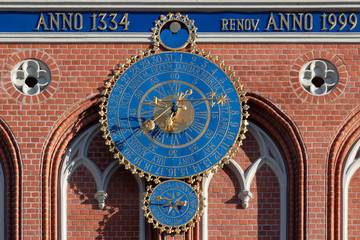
245	197
101	197
318	77
30	77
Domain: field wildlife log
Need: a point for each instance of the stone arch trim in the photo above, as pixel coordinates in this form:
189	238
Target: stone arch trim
70	164
80	117
12	164
280	127
346	136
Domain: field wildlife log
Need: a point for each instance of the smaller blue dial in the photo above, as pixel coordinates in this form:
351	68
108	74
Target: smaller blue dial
173	203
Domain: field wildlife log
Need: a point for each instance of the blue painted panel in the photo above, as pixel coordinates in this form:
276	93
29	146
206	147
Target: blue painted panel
205	22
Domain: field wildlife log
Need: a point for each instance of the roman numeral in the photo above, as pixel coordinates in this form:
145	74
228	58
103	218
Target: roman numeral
174	139
197	126
175	87
148	114
203	115
161	91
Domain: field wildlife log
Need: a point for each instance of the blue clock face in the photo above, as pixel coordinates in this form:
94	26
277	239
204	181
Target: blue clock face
174	114
173	203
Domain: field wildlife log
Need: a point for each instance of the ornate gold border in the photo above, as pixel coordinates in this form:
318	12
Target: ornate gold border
121	68
173	229
159	24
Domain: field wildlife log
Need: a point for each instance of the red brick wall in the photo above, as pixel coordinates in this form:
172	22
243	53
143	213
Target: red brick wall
99	153
83	214
120	218
43	125
354	207
227	218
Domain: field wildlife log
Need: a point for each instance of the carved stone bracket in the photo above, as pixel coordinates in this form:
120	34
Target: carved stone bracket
101	197
245	197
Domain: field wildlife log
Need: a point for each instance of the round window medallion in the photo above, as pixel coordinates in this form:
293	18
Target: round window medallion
318	77
30	77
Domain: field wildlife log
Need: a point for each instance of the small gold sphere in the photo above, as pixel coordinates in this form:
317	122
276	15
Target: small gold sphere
148	125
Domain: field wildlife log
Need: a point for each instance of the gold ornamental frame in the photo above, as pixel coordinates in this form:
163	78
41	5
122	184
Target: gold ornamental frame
149	177
121	69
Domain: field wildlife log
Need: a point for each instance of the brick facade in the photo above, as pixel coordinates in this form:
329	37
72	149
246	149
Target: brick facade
313	134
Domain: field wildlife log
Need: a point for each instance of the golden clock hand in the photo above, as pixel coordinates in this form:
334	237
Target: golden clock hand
161	198
221	99
149	124
157	102
183	203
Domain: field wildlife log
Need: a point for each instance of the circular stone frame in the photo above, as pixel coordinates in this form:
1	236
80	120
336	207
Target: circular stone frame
35	55
318	56
318	77
31	77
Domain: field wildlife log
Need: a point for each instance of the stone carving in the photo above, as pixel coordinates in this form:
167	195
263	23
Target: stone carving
101	197
30	77
318	77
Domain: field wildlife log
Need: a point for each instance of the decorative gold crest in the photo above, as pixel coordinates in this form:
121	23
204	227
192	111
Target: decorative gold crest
174	32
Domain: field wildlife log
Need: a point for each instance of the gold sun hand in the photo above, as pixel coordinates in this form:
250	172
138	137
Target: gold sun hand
220	99
149	124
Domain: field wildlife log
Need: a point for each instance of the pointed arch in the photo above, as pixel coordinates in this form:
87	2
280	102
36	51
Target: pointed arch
283	131
75	157
346	137
245	178
11	165
81	116
287	159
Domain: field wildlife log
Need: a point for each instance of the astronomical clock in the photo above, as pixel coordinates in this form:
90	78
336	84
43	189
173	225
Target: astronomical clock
171	114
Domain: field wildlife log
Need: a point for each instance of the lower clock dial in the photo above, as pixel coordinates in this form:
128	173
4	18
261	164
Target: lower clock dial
173	205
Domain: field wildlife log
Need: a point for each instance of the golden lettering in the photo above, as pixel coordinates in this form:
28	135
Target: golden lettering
308	21
284	21
54	21
232	25
240	25
42	23
255	24
60	22
225	22
67	21
297	21
125	22
272	23
78	21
